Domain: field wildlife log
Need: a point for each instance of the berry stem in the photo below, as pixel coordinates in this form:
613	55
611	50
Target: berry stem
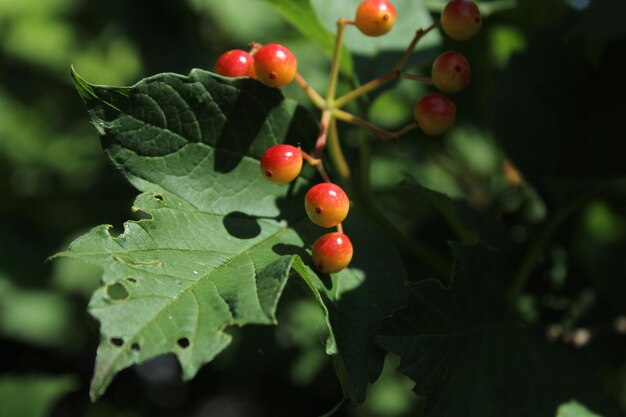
396	72
340	228
382	133
317	164
335	152
334	66
253	47
409	50
313	95
320	144
366	88
314	162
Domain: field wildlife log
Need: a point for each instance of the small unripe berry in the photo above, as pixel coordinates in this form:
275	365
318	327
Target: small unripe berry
435	114
281	163
326	204
461	19
332	252
451	72
275	65
235	63
375	17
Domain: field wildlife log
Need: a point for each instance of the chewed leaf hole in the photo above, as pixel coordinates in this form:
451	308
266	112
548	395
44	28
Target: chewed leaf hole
136	347
114	232
183	342
117	292
131	279
159	197
142	215
117	341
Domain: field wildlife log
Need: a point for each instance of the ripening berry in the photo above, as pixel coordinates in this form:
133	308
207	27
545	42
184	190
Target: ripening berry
332	252
275	65
375	17
281	163
461	19
435	114
451	72
326	204
235	63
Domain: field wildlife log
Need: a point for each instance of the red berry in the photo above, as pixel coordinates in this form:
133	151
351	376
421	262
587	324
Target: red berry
235	63
281	163
461	19
375	17
275	65
326	204
332	252
435	114
451	72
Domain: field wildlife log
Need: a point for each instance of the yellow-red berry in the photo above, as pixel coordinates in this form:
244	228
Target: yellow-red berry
235	63
332	252
451	72
461	19
435	114
326	204
375	17
275	65
281	163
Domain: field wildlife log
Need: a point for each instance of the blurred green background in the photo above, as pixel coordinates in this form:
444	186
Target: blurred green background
529	100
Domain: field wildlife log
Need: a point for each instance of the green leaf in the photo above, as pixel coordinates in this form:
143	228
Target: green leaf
574	409
40	317
468	359
32	396
302	16
217	242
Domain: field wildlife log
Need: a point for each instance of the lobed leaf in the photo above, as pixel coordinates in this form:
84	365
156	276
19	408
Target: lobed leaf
217	242
468	358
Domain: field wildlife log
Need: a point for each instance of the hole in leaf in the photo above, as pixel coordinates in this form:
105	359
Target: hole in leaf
132	279
136	347
114	231
117	292
159	197
142	215
183	342
117	341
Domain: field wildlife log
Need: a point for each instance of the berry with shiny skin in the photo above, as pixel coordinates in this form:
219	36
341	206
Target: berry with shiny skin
275	65
461	19
451	72
332	252
435	114
281	163
235	63
326	204
375	17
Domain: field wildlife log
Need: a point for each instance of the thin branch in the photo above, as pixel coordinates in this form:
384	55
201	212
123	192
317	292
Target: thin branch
313	95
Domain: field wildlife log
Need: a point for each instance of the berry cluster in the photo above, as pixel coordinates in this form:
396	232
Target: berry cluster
272	64
326	204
